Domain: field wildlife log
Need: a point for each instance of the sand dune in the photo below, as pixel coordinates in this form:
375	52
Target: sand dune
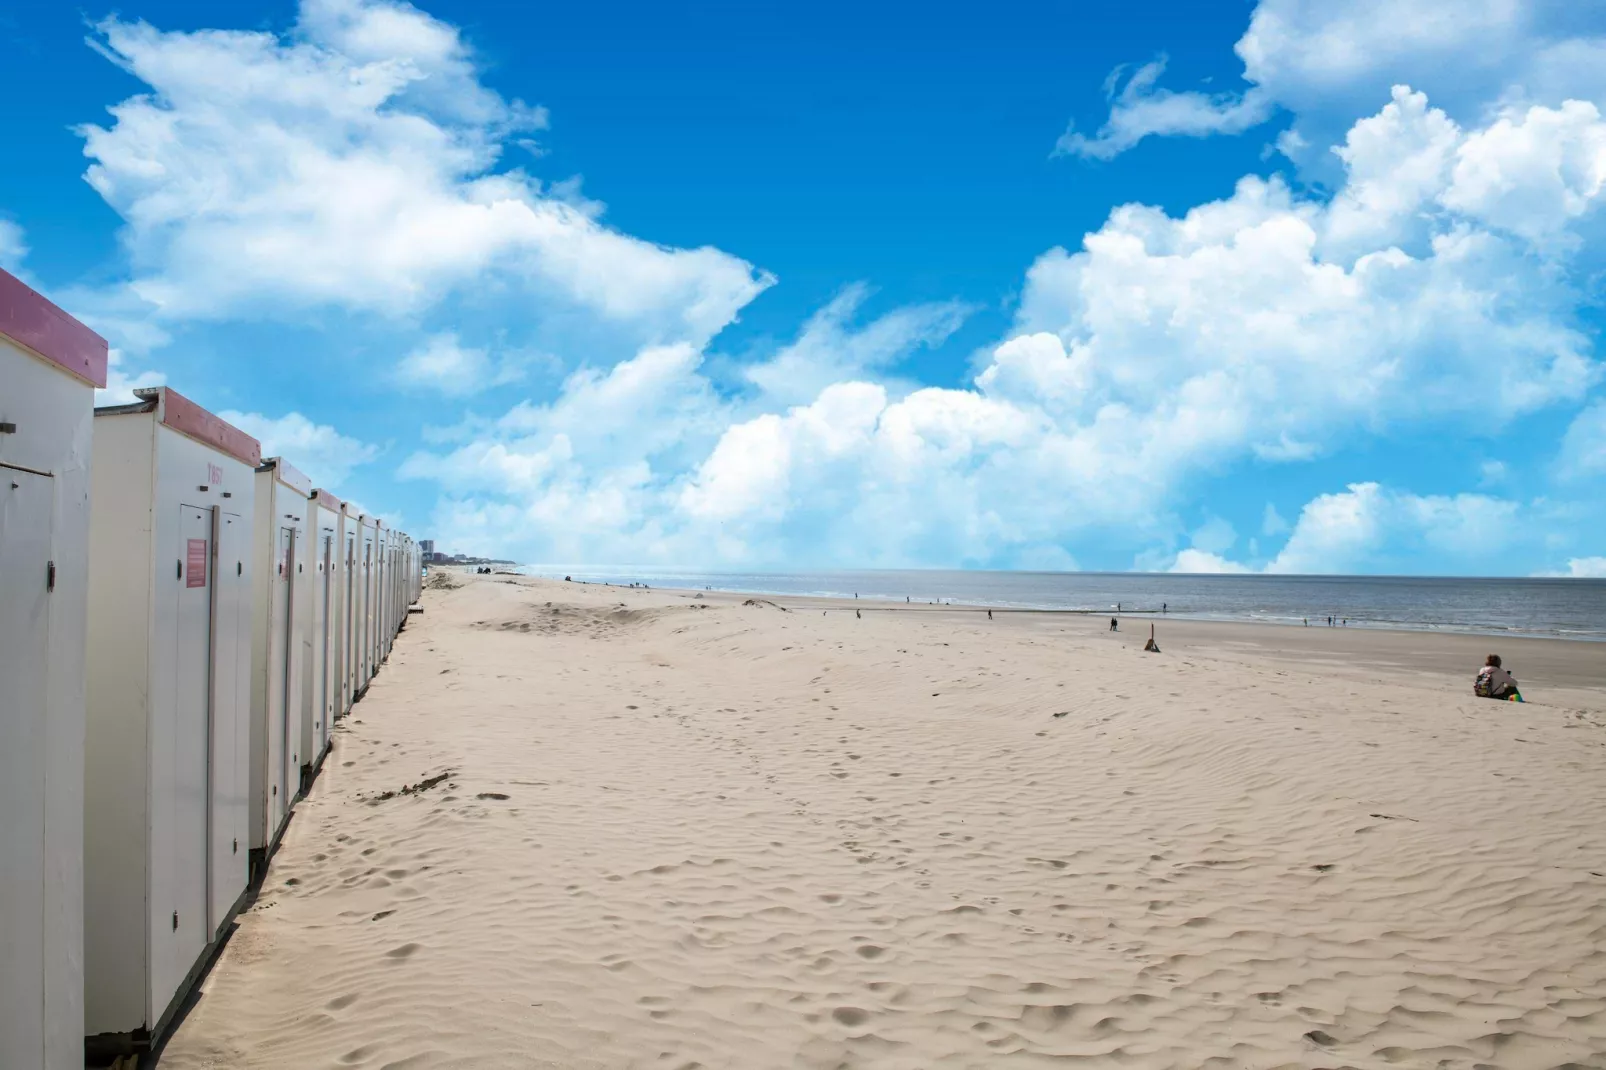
746	837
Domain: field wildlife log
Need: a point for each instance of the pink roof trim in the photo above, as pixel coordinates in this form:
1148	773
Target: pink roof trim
189	419
28	318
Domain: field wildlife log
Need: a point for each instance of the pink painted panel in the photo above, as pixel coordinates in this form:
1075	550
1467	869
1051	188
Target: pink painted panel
28	318
186	417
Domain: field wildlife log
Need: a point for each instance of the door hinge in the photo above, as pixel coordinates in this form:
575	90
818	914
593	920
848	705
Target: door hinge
50	576
236	846
178	569
175	921
239	568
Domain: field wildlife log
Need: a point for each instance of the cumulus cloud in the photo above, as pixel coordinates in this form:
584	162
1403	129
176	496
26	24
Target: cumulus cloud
1371	528
1267	325
1323	62
323	453
355	162
1194	560
1581	568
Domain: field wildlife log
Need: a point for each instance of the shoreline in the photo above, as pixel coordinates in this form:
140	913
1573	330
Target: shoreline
882	603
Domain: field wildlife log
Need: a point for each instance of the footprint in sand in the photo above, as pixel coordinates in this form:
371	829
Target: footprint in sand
851	1016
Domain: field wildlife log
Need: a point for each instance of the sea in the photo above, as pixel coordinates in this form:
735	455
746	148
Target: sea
1552	608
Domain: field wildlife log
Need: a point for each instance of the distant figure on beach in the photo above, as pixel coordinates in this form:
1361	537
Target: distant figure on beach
1113	626
989	614
1494	681
1307	622
1163	607
856	613
1118	607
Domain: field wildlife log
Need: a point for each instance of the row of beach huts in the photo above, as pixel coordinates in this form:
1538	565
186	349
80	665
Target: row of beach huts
181	623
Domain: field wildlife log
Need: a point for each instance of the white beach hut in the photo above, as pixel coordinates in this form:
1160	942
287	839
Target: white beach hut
367	547
165	833
350	607
321	646
387	593
278	625
50	365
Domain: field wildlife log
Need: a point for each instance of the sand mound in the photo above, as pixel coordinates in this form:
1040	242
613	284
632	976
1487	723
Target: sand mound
554	619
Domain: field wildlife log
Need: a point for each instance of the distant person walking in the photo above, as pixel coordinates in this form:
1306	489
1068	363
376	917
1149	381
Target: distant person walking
989	614
1114	627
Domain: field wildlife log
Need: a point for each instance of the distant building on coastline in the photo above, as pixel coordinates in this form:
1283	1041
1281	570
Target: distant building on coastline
431	556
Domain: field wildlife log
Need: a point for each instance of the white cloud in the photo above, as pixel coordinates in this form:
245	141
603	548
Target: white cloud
443	364
831	349
13	245
1038	368
1583	447
1532	172
353	163
120	386
1165	349
1586	568
1323	62
324	454
1272	523
1202	561
1370	528
1138	109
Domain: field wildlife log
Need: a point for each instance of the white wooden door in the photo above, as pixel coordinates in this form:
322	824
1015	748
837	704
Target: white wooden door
231	704
185	803
25	511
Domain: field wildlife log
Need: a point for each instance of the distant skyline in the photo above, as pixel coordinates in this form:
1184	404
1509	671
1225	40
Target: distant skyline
1284	287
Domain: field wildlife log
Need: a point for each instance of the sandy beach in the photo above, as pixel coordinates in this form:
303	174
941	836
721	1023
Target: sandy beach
594	827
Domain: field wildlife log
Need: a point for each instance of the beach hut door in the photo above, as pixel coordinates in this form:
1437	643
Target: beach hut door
186	804
25	510
325	581
287	570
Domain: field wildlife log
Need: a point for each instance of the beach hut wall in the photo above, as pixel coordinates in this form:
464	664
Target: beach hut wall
324	573
168	706
281	606
50	365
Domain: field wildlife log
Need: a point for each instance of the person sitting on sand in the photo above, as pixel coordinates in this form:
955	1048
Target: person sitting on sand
1494	681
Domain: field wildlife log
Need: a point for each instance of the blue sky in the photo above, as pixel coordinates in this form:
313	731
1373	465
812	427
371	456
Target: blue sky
1277	285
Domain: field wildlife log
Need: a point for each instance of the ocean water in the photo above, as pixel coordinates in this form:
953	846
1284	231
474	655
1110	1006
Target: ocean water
1564	608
